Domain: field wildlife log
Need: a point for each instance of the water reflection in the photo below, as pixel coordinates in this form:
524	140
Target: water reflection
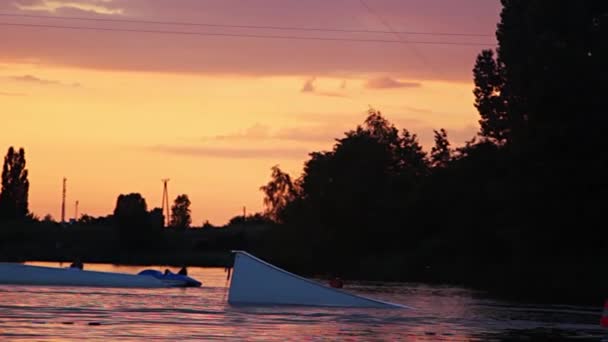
441	314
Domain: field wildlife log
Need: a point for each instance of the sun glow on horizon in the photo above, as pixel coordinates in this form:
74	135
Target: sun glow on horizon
215	136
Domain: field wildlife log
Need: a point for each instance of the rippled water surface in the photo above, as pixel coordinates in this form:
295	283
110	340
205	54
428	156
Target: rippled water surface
33	313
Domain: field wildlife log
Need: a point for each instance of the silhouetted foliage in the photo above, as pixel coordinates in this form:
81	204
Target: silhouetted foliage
137	228
348	198
86	219
131	209
15	186
511	205
255	219
489	99
412	159
156	218
441	153
554	56
180	213
279	191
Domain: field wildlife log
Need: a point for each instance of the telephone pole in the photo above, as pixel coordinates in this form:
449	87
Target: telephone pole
63	201
165	204
76	211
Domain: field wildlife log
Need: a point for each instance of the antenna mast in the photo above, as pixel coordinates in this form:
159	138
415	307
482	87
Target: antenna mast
165	204
76	211
63	201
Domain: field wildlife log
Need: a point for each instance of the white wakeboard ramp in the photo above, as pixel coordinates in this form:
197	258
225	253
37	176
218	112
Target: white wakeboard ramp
18	274
255	281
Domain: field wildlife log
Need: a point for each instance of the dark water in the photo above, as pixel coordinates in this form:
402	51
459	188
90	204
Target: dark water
29	313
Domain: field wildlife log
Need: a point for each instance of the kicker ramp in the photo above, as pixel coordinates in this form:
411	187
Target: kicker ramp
256	282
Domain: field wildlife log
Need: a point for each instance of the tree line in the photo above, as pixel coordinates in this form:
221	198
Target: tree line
130	212
522	200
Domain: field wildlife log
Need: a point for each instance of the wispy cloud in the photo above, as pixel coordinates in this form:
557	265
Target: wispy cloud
327	118
306	137
258	132
330	94
41	81
389	83
417	110
93	6
231	153
33	79
310	134
2	93
309	87
257	140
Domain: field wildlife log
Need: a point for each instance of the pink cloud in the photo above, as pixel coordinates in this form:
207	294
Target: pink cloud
320	132
231	153
3	93
42	81
248	56
387	83
309	87
69	6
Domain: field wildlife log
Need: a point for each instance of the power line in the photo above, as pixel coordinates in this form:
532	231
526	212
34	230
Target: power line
392	30
256	27
379	17
192	33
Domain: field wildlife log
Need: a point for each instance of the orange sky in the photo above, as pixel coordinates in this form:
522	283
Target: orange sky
116	112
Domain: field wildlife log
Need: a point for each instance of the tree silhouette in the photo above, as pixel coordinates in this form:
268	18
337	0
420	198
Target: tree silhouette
378	127
131	208
349	199
15	186
180	213
278	192
489	98
156	218
554	59
441	154
411	157
131	215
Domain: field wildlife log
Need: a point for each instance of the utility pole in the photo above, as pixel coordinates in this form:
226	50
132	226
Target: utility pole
76	212
244	212
63	201
165	204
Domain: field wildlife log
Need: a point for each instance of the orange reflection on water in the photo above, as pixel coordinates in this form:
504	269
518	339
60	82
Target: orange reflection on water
45	313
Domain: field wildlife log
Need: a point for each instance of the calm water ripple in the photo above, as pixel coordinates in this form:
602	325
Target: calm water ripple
29	313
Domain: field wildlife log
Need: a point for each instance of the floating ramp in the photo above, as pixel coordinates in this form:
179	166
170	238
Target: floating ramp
18	274
256	282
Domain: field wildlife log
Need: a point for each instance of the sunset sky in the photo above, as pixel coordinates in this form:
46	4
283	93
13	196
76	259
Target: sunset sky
115	112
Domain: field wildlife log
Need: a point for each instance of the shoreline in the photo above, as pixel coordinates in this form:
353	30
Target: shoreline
513	292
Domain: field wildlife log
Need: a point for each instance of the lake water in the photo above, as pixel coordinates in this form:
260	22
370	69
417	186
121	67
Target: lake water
34	313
